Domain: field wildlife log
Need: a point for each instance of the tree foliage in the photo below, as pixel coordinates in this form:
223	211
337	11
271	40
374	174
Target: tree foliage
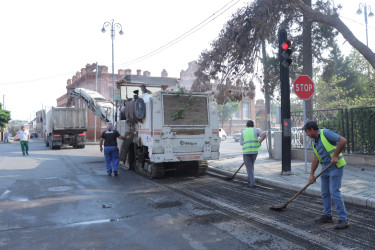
346	83
235	53
4	117
227	110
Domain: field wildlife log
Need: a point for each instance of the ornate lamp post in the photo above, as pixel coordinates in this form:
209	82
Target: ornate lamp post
113	26
365	7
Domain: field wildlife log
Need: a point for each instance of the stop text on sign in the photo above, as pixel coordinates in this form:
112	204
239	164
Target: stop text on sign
304	87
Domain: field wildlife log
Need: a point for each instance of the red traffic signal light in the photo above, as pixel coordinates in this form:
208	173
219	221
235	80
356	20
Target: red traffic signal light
286	53
286	45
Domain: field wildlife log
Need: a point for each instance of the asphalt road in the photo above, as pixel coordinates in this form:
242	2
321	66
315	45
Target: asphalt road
63	199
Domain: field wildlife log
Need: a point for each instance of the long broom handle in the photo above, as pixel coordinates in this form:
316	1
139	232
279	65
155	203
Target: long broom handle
308	184
237	171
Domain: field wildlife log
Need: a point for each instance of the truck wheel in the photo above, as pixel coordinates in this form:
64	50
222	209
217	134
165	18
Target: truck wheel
203	168
145	167
154	170
191	168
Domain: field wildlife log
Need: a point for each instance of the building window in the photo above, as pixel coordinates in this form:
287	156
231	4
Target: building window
245	110
236	115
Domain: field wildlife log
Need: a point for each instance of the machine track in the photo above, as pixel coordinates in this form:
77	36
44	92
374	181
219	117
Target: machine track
295	223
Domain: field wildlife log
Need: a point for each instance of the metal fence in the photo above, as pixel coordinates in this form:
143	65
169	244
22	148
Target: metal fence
355	124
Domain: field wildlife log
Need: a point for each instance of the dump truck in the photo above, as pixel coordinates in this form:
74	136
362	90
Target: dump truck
66	126
168	131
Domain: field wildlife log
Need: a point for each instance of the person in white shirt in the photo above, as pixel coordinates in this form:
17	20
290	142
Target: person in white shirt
24	136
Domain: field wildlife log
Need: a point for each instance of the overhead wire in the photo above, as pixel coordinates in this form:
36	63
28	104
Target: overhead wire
167	45
357	22
181	37
156	51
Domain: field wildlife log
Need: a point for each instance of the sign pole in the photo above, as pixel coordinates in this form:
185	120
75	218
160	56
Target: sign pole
304	134
304	88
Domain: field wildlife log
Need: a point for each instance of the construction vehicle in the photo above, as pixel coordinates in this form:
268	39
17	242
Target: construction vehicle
100	106
168	131
66	126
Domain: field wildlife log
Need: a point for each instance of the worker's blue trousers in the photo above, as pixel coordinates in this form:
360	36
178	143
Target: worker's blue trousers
111	155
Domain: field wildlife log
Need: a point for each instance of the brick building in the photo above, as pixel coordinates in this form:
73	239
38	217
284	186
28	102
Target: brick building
86	78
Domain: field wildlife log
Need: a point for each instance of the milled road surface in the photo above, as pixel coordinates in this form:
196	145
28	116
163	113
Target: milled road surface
63	199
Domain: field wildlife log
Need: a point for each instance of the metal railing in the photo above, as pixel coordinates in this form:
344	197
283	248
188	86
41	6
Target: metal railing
355	124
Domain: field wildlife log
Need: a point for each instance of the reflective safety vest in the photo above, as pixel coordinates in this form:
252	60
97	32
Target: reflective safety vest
330	149
250	143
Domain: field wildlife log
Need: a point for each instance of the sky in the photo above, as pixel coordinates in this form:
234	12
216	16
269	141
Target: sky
44	43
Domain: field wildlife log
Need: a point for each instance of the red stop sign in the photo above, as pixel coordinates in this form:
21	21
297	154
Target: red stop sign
303	87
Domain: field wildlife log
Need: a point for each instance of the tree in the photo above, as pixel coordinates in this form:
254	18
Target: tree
346	83
335	22
227	110
4	117
341	67
235	53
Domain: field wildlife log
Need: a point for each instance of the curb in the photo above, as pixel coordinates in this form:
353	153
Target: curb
347	198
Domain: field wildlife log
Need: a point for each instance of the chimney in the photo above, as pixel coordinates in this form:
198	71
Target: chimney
139	72
74	78
78	75
128	72
104	69
182	74
146	73
69	82
121	72
164	73
83	71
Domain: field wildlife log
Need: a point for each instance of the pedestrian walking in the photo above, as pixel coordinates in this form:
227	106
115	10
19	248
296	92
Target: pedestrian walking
327	147
111	152
250	146
6	137
24	136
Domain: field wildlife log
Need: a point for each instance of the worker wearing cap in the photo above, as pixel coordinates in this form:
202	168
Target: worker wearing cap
250	146
145	90
111	152
327	147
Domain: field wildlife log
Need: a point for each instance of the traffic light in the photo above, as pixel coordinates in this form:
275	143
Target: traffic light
286	52
284	55
287	127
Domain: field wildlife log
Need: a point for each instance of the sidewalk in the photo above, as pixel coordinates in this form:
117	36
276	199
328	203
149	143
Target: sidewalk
358	184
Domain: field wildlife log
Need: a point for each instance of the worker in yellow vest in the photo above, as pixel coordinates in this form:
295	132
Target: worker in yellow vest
327	147
250	146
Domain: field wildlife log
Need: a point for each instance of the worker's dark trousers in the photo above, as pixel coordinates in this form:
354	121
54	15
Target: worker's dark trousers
249	160
111	155
24	147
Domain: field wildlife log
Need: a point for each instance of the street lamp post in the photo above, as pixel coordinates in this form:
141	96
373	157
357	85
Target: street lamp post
365	7
113	26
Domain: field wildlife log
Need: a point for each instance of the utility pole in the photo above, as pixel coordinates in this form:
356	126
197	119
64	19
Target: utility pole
267	99
96	89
